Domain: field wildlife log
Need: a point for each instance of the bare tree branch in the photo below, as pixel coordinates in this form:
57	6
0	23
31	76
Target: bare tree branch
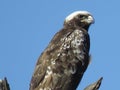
4	84
94	86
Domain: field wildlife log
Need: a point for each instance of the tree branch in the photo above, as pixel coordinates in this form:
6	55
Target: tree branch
4	84
94	86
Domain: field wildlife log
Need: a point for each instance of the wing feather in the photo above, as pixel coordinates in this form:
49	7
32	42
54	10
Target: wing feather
61	62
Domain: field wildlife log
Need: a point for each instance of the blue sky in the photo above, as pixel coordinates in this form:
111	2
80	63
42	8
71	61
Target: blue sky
27	26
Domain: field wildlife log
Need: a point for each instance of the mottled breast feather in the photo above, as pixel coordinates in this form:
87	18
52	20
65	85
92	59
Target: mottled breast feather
63	62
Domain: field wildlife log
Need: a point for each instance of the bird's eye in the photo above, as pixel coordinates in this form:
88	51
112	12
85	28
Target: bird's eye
81	16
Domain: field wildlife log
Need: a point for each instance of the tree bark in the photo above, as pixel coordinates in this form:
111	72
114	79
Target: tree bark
4	84
94	86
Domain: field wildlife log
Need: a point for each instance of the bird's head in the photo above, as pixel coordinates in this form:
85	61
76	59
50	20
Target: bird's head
79	19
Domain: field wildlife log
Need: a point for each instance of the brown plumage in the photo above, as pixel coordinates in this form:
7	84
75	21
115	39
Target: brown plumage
63	63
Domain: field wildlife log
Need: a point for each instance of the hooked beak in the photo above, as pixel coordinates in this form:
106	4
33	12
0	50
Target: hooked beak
90	20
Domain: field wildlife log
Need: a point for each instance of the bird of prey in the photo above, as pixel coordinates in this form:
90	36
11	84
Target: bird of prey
64	61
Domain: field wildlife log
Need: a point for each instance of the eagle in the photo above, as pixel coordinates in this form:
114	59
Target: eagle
66	58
